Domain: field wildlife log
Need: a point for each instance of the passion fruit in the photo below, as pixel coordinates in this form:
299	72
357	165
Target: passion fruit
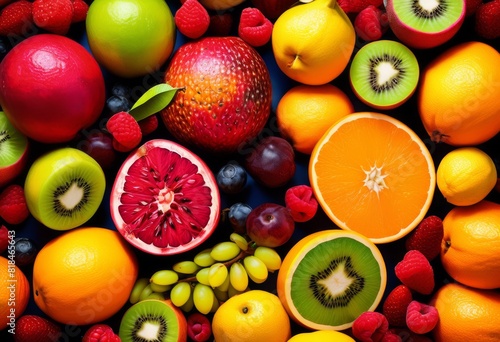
165	199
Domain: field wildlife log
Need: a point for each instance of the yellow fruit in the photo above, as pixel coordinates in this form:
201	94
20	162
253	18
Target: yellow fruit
458	95
130	38
466	176
313	42
84	276
254	315
471	245
321	336
466	314
305	112
14	292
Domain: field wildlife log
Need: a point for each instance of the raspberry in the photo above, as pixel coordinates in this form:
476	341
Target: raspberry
54	16
13	207
391	337
220	24
427	237
199	327
16	18
487	24
254	27
421	318
125	130
395	305
100	332
148	125
370	326
80	9
192	19
4	238
416	272
356	6
371	23
300	201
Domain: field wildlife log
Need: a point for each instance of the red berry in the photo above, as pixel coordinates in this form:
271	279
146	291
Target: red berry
370	326
4	238
199	327
371	23
421	318
394	306
356	6
416	272
80	9
125	130
13	207
220	24
54	16
33	328
192	19
100	333
391	337
427	237
471	7
487	17
16	18
148	125
254	27
301	202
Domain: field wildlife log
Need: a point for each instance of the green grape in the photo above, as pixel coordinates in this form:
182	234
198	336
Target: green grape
139	285
189	304
202	276
224	286
238	276
186	267
164	277
256	269
224	251
203	298
203	258
231	291
269	257
146	292
156	295
215	305
160	288
239	240
180	293
221	295
217	274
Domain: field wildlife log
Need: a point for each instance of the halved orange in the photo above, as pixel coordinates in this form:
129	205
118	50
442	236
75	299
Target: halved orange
372	174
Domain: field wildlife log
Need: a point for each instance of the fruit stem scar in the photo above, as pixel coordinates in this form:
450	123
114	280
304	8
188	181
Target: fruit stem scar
374	179
292	62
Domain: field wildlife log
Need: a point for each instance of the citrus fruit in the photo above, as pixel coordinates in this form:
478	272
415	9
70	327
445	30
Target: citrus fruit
466	175
471	242
130	38
328	278
305	112
225	94
14	293
165	199
466	314
84	275
313	41
372	174
321	336
458	95
254	315
51	88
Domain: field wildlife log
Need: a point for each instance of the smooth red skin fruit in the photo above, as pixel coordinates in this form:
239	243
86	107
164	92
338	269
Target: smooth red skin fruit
418	39
395	305
67	94
199	328
370	326
421	318
416	272
10	172
270	225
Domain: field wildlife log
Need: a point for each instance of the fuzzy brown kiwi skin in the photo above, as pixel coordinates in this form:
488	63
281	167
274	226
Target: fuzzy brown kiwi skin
9	172
418	39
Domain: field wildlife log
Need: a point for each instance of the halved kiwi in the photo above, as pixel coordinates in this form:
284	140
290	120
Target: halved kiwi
13	150
384	74
64	188
330	277
153	320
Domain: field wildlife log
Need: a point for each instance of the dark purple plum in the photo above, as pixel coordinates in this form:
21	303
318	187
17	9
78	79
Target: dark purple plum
270	225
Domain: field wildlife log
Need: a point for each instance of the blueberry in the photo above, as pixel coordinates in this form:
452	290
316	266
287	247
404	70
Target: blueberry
120	89
25	251
237	216
116	104
4	47
232	178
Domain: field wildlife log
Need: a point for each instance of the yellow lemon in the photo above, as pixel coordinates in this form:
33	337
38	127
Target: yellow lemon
313	42
466	175
322	336
254	315
305	112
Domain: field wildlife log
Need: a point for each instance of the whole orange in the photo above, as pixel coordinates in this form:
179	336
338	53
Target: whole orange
84	276
14	293
466	314
471	244
458	95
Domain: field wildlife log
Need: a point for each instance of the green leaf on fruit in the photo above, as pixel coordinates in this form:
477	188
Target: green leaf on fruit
152	101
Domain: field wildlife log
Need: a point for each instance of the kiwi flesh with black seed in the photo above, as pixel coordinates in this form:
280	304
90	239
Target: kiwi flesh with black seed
13	151
64	188
153	320
384	74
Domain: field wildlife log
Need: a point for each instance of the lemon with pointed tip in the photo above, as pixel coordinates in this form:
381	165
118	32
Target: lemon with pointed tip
321	336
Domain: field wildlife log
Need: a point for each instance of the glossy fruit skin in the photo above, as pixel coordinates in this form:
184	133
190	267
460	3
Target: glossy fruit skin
51	87
225	96
99	145
271	162
231	178
270	225
237	215
26	251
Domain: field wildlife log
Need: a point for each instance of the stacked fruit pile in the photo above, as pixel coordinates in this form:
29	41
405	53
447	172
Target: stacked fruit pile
249	170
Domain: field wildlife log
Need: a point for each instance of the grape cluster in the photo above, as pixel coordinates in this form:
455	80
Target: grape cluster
214	275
